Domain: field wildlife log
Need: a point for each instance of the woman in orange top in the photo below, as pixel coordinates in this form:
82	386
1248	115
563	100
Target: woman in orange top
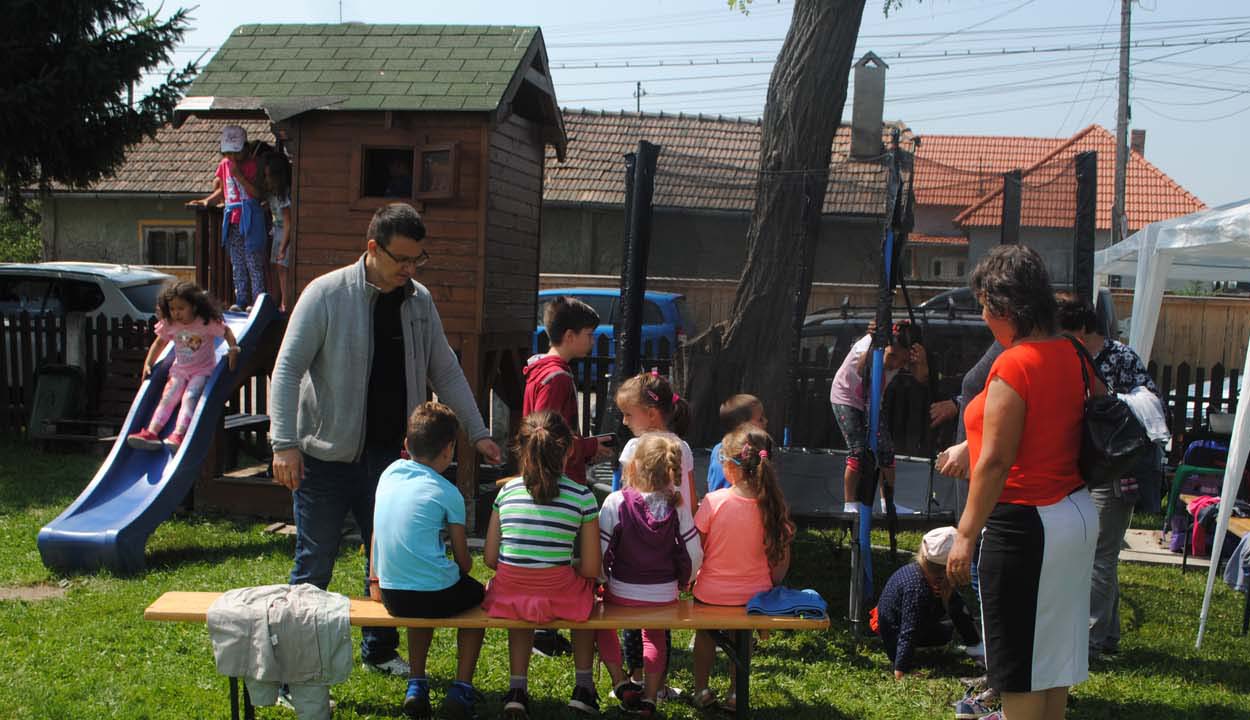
1026	497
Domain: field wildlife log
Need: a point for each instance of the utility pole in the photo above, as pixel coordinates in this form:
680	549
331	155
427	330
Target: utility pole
1121	128
638	93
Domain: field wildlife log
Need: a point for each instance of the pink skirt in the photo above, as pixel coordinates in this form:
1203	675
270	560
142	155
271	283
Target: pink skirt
538	595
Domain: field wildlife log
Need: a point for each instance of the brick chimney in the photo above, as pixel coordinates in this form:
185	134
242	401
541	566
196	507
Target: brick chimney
1137	142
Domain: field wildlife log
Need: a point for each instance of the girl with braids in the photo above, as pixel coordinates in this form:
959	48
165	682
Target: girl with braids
537	520
188	317
650	551
746	534
648	404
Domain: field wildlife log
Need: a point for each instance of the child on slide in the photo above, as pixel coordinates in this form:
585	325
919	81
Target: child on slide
189	317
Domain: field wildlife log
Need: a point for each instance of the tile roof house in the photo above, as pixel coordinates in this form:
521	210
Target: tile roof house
958	187
704	193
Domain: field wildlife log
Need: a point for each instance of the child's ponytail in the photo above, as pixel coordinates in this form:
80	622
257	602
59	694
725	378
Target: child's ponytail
542	445
752	448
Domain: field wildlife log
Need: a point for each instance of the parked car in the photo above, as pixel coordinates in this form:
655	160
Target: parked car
666	321
94	289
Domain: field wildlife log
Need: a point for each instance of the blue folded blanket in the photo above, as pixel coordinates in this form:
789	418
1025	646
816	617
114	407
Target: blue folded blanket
789	601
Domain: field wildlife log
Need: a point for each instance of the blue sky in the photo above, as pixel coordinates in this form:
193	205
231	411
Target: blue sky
1057	73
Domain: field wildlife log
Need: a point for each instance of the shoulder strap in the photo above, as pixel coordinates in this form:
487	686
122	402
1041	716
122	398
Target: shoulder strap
1083	358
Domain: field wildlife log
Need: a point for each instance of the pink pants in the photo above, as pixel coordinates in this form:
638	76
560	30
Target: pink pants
654	642
180	391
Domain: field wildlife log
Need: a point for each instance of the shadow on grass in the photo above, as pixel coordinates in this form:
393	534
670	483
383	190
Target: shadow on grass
172	558
1232	674
1087	708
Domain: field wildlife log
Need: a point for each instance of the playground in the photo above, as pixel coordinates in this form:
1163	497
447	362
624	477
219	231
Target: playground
87	652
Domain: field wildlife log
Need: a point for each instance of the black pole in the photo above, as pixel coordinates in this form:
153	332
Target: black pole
634	266
1011	208
1086	218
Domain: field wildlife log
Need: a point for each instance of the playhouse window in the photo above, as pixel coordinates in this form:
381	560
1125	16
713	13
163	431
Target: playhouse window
437	168
386	173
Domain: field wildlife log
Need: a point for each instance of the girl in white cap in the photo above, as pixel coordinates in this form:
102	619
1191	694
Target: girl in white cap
243	230
916	603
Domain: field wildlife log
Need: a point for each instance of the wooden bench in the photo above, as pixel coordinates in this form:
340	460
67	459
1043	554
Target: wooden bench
682	615
1238	527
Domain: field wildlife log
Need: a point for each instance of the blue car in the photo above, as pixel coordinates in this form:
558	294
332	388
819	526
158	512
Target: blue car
666	321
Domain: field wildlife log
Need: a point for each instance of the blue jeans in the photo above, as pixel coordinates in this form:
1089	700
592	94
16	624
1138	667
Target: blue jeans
326	493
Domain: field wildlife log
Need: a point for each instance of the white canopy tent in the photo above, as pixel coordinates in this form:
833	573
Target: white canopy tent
1208	245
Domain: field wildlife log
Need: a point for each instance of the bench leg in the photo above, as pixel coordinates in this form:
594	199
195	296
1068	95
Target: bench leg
249	711
737	646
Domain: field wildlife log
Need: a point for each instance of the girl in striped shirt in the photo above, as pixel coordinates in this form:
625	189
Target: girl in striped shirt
537	520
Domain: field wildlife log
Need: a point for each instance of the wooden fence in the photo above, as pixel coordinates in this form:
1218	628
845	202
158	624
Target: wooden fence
31	342
1201	331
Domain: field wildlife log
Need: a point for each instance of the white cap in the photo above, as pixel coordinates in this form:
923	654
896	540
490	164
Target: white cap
937	544
233	138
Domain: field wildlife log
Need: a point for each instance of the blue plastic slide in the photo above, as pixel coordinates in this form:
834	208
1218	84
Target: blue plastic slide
136	490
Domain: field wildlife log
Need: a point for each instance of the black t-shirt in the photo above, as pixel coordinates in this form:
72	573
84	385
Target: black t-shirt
387	402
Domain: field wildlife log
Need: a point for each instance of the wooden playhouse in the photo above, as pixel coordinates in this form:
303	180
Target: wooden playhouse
452	119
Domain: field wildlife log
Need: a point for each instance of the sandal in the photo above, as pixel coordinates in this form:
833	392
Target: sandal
730	703
703	699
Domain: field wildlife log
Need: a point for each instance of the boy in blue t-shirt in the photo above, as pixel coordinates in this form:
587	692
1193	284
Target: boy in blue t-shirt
735	412
415	504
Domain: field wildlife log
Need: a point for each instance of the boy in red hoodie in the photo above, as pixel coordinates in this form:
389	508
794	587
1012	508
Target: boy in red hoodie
549	385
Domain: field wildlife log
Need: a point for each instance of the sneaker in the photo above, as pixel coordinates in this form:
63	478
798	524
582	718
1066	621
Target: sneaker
971	709
460	703
144	440
703	699
585	701
668	693
284	700
629	695
975	651
234	308
516	704
417	700
646	709
850	507
174	441
395	666
550	643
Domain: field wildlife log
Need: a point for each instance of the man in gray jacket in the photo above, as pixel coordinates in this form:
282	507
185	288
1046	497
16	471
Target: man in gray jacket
363	345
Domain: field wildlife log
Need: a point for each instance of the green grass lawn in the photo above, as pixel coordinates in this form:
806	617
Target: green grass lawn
91	654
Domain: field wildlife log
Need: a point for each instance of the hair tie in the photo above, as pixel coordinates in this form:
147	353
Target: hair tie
746	452
676	397
655	372
763	454
651	394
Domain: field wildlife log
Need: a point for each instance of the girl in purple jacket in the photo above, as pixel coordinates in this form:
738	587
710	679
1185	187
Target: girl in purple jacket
651	551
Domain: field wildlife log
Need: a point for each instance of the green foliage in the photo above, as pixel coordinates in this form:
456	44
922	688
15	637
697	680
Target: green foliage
64	115
91	654
20	240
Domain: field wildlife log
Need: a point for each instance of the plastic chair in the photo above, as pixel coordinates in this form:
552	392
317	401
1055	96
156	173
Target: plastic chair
1202	457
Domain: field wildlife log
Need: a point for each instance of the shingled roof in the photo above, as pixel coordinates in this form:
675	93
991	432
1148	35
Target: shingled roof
284	70
706	162
1048	197
178	161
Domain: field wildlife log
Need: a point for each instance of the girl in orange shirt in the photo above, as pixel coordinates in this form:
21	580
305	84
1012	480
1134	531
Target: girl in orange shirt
746	533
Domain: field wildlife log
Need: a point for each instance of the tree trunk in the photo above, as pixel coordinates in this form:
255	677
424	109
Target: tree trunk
751	352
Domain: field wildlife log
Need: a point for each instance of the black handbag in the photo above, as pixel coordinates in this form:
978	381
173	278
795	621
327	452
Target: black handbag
1112	438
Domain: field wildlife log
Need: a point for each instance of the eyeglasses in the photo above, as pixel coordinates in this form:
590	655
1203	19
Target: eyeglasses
416	262
721	457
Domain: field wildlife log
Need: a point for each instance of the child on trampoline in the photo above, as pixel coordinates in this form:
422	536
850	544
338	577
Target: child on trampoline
849	398
189	317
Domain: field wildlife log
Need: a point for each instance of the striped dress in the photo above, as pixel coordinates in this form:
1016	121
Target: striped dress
535	580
